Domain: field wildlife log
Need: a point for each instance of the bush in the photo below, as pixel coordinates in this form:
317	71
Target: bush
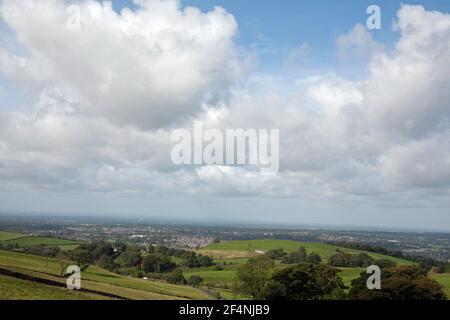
175	277
218	267
400	283
276	254
305	282
157	263
195	280
343	259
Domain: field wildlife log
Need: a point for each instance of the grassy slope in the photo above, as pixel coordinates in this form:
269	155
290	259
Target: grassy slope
443	279
36	241
17	289
324	250
235	253
95	278
10	235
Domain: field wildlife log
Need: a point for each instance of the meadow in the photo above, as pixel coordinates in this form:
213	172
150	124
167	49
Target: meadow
98	279
232	254
4	236
26	241
17	289
444	280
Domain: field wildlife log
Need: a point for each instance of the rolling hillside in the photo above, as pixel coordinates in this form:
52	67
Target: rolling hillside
4	236
97	281
24	241
232	254
324	250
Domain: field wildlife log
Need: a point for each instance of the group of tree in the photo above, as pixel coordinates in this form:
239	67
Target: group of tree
426	262
399	283
344	259
299	256
131	259
193	260
40	250
306	281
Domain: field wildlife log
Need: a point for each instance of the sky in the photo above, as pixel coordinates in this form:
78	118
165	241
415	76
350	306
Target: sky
86	114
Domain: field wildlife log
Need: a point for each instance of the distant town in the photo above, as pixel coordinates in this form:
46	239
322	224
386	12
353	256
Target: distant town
434	245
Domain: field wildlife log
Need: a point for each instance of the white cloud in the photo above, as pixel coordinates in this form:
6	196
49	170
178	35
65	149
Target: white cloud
106	98
148	67
357	43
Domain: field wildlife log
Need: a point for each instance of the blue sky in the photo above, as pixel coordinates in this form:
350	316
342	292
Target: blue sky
272	27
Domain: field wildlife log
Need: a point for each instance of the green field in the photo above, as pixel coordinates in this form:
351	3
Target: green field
10	235
17	289
323	249
25	242
241	251
98	279
444	280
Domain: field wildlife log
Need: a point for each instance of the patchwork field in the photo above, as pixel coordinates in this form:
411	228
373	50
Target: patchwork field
323	249
17	289
97	279
232	254
4	236
26	241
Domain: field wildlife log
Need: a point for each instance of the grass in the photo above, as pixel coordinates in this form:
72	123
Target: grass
213	277
17	289
235	253
98	279
25	242
444	280
323	249
348	274
4	236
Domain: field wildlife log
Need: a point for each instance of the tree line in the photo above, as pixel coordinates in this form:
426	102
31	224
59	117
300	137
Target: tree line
313	280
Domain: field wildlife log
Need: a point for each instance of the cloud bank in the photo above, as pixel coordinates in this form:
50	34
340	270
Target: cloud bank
102	101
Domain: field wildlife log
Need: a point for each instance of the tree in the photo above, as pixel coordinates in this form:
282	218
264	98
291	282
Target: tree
175	277
342	259
102	249
63	261
400	283
157	263
82	258
252	277
384	263
313	258
195	280
305	281
276	254
295	257
129	259
107	262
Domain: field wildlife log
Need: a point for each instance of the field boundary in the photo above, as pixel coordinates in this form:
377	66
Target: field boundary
52	283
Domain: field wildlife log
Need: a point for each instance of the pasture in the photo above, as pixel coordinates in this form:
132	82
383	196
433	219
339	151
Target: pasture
98	279
4	236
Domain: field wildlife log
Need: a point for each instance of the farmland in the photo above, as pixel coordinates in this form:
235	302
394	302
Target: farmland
324	250
5	236
17	289
96	279
25	241
232	254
